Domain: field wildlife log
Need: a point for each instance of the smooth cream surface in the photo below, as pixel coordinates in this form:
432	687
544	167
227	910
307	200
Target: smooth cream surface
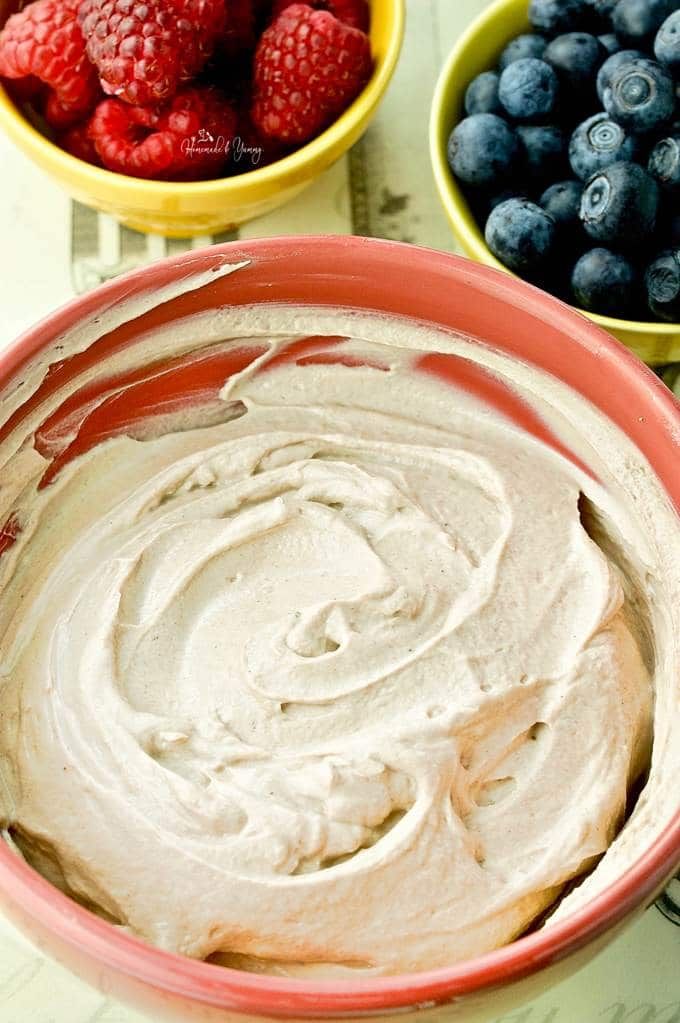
332	675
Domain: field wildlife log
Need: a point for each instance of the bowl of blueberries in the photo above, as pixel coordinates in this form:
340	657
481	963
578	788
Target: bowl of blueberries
555	142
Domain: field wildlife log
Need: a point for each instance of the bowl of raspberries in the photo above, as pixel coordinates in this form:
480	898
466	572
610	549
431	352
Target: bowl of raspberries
555	141
192	116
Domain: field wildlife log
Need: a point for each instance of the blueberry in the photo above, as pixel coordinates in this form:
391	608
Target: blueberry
521	235
563	201
597	143
576	56
640	96
667	44
664	162
528	89
482	95
545	151
636	22
620	205
662	281
555	16
612	64
483	150
604	282
610	43
527	45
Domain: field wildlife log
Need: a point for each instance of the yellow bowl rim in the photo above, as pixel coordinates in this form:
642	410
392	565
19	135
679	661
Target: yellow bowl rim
48	154
458	210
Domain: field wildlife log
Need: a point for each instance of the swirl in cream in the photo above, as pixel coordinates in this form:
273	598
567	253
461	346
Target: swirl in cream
331	675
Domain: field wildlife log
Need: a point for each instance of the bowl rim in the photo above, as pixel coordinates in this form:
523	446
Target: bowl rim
20	129
657	417
455	206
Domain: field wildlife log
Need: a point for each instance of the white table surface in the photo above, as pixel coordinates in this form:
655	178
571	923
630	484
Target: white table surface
52	249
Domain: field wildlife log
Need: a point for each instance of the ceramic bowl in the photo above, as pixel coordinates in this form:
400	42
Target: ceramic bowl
475	51
182	209
502	314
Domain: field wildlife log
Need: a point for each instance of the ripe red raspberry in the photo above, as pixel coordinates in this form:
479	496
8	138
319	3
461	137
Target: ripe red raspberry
144	49
308	68
352	12
250	150
186	140
44	40
60	115
78	143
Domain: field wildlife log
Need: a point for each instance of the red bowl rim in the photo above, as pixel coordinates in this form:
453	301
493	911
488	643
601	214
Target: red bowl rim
363	269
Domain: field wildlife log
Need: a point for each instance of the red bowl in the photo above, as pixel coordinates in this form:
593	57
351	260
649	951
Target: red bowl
514	318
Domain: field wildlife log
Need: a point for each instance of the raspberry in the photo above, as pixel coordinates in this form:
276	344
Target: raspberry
250	150
44	40
78	143
352	12
188	139
308	68
60	115
144	50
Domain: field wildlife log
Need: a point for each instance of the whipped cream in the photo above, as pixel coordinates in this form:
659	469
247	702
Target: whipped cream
323	669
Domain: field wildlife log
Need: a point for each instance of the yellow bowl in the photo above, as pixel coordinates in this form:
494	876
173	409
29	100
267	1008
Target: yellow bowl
206	207
478	50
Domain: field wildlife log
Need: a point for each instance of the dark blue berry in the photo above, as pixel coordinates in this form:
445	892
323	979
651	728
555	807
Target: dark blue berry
521	235
597	143
576	56
667	44
563	202
664	162
545	152
481	96
636	22
527	45
528	89
610	43
662	281
604	282
640	95
555	16
620	205
612	64
483	151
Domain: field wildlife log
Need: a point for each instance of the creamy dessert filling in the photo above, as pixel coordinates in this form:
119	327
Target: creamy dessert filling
307	657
